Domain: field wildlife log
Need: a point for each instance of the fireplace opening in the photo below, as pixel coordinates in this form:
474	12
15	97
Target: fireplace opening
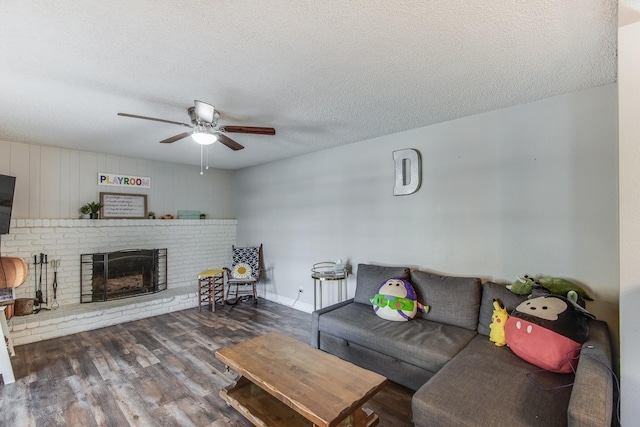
122	274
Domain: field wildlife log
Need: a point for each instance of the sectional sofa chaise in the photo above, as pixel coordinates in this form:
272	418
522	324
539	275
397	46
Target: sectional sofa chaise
461	378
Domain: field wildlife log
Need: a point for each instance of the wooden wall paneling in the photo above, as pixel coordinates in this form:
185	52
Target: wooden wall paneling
64	210
142	168
74	184
88	177
128	167
184	187
20	169
54	182
112	165
156	197
34	181
50	177
101	165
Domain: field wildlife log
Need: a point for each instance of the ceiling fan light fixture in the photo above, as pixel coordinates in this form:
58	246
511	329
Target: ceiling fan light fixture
203	137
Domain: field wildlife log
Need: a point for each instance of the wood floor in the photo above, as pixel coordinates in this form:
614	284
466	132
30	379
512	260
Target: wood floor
159	371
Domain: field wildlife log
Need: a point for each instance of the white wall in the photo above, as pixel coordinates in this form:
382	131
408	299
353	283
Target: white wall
629	106
53	182
528	189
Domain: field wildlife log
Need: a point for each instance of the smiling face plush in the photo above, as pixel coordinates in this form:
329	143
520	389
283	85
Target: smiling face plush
548	332
396	300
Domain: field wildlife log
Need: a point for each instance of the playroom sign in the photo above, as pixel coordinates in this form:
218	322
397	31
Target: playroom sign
124	180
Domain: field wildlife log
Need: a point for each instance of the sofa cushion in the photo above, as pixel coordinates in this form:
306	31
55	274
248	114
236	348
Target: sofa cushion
451	300
428	345
370	277
491	291
486	385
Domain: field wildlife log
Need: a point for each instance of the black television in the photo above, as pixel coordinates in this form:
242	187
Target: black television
7	188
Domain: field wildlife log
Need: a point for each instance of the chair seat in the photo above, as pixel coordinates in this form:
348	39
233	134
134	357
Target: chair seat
240	281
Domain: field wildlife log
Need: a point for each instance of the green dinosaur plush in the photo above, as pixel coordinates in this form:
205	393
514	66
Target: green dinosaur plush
556	285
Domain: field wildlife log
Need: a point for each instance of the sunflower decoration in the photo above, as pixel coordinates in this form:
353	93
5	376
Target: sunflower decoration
241	271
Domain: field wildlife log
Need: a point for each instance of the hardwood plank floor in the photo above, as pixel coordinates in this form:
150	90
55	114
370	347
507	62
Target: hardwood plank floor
159	371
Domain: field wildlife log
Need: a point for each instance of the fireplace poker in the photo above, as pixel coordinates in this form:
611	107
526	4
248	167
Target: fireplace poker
46	280
38	299
55	264
35	279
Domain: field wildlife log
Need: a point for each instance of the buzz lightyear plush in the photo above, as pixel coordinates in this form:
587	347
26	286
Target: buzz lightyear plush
396	300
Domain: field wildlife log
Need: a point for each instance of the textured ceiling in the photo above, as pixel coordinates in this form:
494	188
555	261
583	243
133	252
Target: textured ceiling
323	73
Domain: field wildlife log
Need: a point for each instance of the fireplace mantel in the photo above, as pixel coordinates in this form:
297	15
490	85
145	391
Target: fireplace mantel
30	223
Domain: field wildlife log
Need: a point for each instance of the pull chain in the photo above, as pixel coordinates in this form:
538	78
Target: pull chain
201	148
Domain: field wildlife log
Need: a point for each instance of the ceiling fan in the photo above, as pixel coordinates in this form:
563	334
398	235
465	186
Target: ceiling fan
205	127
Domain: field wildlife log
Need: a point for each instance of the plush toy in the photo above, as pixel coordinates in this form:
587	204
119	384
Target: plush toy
548	332
397	300
557	286
498	322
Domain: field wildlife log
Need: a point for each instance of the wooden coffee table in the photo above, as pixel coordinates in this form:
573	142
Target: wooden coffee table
288	383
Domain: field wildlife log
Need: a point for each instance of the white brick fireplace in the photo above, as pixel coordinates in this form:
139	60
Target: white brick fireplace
192	246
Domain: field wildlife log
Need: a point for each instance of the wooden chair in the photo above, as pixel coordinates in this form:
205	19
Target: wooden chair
241	279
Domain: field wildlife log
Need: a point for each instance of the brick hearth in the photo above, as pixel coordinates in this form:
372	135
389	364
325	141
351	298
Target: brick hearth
192	245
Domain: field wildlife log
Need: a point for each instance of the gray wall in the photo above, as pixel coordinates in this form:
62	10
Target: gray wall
530	189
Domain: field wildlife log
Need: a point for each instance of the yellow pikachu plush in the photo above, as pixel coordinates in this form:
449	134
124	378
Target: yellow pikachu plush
498	321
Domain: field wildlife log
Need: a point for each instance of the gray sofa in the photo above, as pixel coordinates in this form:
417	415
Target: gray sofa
460	377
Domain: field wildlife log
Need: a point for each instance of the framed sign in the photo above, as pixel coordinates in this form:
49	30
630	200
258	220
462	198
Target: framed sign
121	205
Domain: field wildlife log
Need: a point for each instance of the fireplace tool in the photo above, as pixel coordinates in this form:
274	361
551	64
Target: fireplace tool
39	300
55	264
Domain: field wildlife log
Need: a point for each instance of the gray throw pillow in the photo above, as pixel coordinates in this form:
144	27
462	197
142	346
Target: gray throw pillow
491	291
451	300
370	277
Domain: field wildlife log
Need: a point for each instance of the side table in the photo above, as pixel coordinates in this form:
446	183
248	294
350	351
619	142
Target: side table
326	271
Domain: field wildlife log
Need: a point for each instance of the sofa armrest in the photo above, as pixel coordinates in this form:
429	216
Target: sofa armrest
591	402
315	320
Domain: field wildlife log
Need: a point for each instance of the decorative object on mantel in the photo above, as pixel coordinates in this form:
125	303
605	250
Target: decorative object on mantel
203	216
95	209
167	216
152	215
123	205
85	211
188	214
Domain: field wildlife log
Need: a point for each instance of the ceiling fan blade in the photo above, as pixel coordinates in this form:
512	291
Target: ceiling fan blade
249	129
175	138
134	116
204	111
229	142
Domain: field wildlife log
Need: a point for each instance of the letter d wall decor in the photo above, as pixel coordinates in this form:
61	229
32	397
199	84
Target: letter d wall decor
408	171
